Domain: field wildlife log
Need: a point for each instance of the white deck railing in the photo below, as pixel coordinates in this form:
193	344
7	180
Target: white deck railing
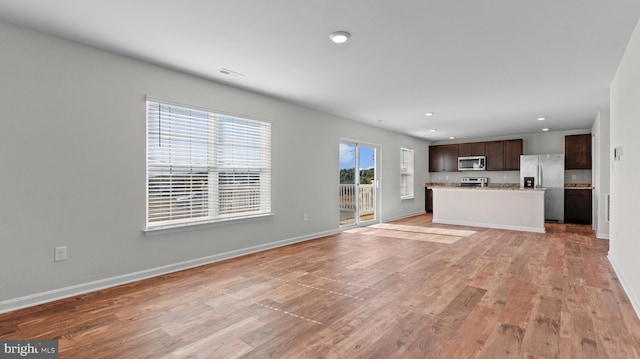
366	198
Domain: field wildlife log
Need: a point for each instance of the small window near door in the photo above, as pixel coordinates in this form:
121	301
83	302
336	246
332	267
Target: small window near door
406	173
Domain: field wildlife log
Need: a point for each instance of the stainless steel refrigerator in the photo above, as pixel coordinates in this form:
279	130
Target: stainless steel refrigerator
547	172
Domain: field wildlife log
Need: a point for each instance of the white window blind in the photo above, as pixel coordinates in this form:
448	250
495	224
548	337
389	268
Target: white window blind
204	167
406	173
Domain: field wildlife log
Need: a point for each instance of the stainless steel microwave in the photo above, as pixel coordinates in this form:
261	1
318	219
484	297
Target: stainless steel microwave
472	163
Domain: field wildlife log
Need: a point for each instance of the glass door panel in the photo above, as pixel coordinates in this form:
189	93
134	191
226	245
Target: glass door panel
347	193
358	192
367	184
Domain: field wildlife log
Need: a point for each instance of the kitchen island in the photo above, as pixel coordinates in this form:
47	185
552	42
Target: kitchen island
504	208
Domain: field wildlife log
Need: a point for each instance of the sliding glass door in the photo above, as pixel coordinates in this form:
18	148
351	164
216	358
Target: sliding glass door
358	192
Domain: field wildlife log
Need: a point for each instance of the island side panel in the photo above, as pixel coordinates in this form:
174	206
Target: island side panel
520	210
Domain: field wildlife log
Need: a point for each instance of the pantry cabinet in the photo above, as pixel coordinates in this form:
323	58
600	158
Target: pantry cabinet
577	152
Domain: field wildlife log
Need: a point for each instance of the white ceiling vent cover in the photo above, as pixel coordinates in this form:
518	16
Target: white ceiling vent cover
231	73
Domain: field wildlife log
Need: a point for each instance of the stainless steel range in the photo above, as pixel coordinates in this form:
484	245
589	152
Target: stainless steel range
474	181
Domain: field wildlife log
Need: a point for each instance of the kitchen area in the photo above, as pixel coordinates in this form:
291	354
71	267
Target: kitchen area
517	184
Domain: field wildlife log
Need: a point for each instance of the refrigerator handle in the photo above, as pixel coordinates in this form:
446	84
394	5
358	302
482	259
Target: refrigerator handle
541	184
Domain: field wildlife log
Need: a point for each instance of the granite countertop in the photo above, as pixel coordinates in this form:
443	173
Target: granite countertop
490	187
511	186
577	186
504	186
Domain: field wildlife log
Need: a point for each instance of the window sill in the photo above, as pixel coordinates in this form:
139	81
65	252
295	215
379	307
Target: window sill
198	225
406	197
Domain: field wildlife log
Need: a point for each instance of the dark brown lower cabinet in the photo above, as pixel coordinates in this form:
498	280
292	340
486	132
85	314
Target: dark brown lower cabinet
428	200
577	206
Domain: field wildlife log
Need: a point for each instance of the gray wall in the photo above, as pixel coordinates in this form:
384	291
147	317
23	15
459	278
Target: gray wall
72	153
624	246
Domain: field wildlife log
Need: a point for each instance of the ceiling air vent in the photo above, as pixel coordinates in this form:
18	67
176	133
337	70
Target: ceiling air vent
231	73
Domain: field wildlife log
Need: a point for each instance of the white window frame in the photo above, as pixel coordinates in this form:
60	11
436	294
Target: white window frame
407	170
204	167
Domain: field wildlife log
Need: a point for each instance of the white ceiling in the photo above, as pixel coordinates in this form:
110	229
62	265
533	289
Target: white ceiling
486	68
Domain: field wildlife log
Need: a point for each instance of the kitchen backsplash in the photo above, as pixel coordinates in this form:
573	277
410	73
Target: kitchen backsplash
490	185
570	176
577	176
493	176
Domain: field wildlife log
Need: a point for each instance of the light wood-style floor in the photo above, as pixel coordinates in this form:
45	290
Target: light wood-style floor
411	289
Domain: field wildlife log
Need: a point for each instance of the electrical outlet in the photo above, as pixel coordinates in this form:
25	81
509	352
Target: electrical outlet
60	254
306	217
573	177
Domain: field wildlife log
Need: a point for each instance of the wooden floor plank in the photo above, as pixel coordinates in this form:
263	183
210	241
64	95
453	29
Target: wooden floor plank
505	342
519	304
543	332
410	289
577	337
609	326
473	334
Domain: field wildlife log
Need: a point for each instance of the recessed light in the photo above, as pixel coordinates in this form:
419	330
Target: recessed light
340	37
429	114
541	118
452	137
433	130
545	129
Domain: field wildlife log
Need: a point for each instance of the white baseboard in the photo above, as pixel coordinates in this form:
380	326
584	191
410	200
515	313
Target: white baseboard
66	292
395	218
602	235
635	303
491	225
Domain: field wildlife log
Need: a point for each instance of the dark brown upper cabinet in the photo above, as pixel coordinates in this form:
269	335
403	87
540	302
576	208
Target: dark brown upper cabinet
435	163
513	149
504	155
450	158
577	152
495	155
443	158
501	155
471	149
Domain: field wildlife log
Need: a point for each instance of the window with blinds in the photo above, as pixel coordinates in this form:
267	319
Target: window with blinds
406	173
205	167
